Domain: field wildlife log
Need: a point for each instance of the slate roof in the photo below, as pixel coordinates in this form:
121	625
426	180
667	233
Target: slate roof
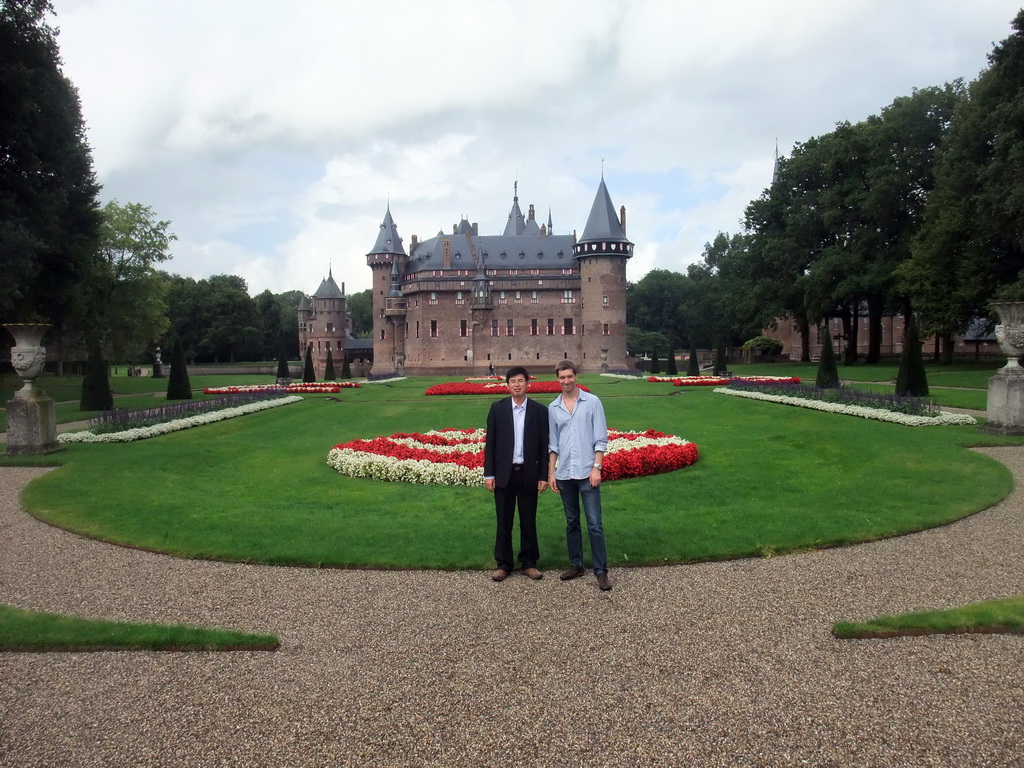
603	223
388	240
328	289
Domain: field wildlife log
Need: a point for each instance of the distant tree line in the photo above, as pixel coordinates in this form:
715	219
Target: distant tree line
918	210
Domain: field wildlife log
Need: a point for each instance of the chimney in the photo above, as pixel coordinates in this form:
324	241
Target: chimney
622	218
415	242
530	215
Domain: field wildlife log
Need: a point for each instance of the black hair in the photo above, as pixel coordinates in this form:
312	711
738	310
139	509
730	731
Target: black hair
517	370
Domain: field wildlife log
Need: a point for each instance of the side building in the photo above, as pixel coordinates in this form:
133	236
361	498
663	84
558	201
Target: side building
458	303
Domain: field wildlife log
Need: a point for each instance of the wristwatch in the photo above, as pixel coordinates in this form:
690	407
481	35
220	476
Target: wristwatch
597	467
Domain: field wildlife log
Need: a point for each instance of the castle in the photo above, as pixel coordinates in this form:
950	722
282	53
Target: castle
465	303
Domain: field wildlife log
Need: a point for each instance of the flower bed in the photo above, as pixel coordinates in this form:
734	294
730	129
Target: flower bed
718	381
141	433
456	456
864	412
496	388
312	388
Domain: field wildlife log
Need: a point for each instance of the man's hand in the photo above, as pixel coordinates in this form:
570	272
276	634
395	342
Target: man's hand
541	485
595	477
489	484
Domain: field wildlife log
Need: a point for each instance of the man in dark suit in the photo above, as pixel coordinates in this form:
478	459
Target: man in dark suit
515	471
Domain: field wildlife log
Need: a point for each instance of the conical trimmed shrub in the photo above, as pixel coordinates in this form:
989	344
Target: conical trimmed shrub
308	375
96	395
828	372
346	370
282	368
329	368
178	385
671	368
655	363
912	378
720	363
693	369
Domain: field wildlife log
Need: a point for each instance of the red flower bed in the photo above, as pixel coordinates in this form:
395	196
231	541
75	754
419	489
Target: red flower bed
498	389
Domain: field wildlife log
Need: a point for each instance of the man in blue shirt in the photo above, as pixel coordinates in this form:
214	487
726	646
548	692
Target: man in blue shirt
578	438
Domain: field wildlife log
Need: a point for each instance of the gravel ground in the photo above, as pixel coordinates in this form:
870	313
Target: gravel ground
719	664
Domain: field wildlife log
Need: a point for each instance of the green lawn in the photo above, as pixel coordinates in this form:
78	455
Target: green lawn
990	616
770	479
31	631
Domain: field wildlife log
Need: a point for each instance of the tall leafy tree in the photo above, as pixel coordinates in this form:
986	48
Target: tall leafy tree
123	280
49	215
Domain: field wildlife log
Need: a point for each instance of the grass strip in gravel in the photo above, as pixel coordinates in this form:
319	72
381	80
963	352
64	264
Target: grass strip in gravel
993	616
30	631
768	481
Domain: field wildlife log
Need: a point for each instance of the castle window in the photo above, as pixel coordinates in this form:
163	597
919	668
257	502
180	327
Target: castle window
535	272
417	329
330	327
433	329
533	327
568	329
510	329
551	326
533	298
463	329
567	270
459	298
605	330
433	299
494	327
519	297
513	272
382	335
604	300
568	298
502	298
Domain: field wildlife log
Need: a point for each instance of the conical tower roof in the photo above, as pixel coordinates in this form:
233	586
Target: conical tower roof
388	240
329	289
516	221
603	223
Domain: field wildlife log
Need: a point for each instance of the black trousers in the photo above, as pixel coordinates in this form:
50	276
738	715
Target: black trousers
524	494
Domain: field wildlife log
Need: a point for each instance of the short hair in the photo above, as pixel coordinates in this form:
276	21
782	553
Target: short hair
517	370
565	365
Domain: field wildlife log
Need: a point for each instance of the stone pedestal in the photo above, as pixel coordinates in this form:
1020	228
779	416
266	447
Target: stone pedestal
32	425
1005	411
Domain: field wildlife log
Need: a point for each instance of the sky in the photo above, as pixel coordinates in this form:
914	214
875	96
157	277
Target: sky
275	135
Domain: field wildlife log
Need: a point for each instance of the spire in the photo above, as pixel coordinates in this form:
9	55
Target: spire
551	230
516	222
603	224
775	169
388	240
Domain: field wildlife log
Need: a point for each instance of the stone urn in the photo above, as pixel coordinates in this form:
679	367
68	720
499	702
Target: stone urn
31	415
27	354
1010	334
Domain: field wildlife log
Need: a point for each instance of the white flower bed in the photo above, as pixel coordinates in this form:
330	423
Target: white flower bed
382	381
141	433
625	376
879	414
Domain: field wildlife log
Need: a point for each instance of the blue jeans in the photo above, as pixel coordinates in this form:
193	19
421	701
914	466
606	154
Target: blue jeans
571	492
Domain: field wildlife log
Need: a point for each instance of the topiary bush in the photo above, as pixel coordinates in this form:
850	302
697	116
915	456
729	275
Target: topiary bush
764	345
96	395
912	379
828	372
346	370
329	368
308	375
671	368
693	368
178	385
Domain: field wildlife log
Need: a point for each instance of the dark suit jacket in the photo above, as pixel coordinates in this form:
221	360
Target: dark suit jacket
500	442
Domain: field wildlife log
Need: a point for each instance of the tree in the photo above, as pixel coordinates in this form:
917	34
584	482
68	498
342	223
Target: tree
178	385
49	216
828	372
329	367
671	368
912	379
308	374
360	310
282	369
655	363
123	280
96	395
346	370
693	368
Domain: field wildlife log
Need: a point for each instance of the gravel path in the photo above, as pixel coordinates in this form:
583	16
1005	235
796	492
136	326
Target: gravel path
720	664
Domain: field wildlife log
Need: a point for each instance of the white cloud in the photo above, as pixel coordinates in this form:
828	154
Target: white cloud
273	135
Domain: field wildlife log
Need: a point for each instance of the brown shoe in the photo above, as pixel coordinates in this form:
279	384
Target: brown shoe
499	575
603	583
533	573
575	572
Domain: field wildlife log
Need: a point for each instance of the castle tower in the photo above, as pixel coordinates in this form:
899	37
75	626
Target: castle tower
389	307
602	252
324	324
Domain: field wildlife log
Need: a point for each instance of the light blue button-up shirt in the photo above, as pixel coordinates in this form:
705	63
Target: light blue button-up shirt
576	436
519	427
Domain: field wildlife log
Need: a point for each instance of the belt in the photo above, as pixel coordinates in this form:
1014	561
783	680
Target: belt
516	467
